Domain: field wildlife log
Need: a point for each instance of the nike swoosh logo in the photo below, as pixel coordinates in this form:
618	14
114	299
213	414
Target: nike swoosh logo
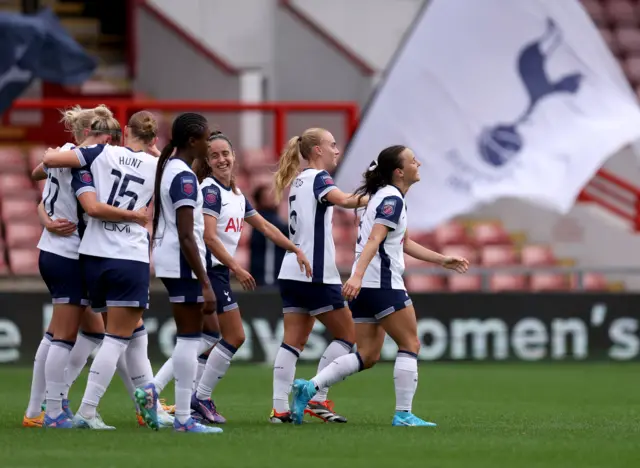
224	204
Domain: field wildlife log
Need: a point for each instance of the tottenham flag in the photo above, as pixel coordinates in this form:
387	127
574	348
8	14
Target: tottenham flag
498	98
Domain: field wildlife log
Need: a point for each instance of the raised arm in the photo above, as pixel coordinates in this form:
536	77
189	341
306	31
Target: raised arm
326	192
74	158
39	173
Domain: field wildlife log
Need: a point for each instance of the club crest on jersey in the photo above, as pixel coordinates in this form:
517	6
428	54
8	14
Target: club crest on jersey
210	196
85	176
389	207
328	180
188	185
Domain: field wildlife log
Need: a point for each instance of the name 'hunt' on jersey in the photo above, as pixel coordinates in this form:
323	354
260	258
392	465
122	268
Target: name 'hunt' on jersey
122	178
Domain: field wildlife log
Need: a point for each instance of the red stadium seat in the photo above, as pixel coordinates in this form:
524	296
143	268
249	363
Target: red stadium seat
24	261
632	68
498	255
611	39
35	156
590	282
489	233
17	209
537	255
242	257
508	282
628	40
4	267
465	251
621	12
245	238
467	282
345	235
548	282
22	234
345	257
411	263
450	233
425	283
12	160
17	186
596	11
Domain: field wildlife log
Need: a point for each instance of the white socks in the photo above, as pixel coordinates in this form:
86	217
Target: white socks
38	385
85	344
338	370
405	379
217	364
138	364
335	349
101	373
57	360
185	364
284	371
165	374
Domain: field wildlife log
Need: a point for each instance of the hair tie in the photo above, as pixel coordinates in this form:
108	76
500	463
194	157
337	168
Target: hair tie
372	166
299	139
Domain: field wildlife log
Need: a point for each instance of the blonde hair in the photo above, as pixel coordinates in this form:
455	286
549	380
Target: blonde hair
143	126
289	164
104	123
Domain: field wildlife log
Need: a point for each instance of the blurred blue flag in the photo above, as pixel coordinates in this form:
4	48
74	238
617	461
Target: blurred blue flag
38	47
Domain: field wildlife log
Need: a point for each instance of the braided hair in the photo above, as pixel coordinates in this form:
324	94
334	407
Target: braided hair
185	127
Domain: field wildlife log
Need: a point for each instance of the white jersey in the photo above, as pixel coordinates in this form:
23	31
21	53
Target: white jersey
310	221
60	202
386	207
230	209
178	187
121	178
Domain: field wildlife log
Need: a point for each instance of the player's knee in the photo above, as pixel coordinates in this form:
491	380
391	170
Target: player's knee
236	339
369	359
412	345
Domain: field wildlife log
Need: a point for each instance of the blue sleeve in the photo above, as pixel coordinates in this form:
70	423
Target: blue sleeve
82	181
88	154
249	210
388	212
323	184
184	190
212	201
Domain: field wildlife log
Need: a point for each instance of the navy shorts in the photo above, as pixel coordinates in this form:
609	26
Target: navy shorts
310	298
113	282
219	277
183	290
372	304
64	278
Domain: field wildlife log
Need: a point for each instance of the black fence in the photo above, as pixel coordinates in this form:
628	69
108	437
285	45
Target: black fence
452	327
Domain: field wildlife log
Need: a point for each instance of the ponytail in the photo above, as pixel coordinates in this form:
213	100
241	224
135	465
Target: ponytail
288	166
166	153
380	172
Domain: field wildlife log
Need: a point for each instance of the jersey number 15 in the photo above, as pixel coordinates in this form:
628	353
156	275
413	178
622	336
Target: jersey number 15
121	189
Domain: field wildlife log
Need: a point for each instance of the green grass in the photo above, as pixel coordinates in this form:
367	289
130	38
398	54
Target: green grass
489	415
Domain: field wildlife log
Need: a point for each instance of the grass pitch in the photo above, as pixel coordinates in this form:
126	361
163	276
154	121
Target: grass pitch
489	415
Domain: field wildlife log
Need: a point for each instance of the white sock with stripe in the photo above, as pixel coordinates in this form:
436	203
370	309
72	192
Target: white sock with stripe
405	379
57	360
102	372
86	343
335	349
338	370
38	382
185	362
217	365
284	371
